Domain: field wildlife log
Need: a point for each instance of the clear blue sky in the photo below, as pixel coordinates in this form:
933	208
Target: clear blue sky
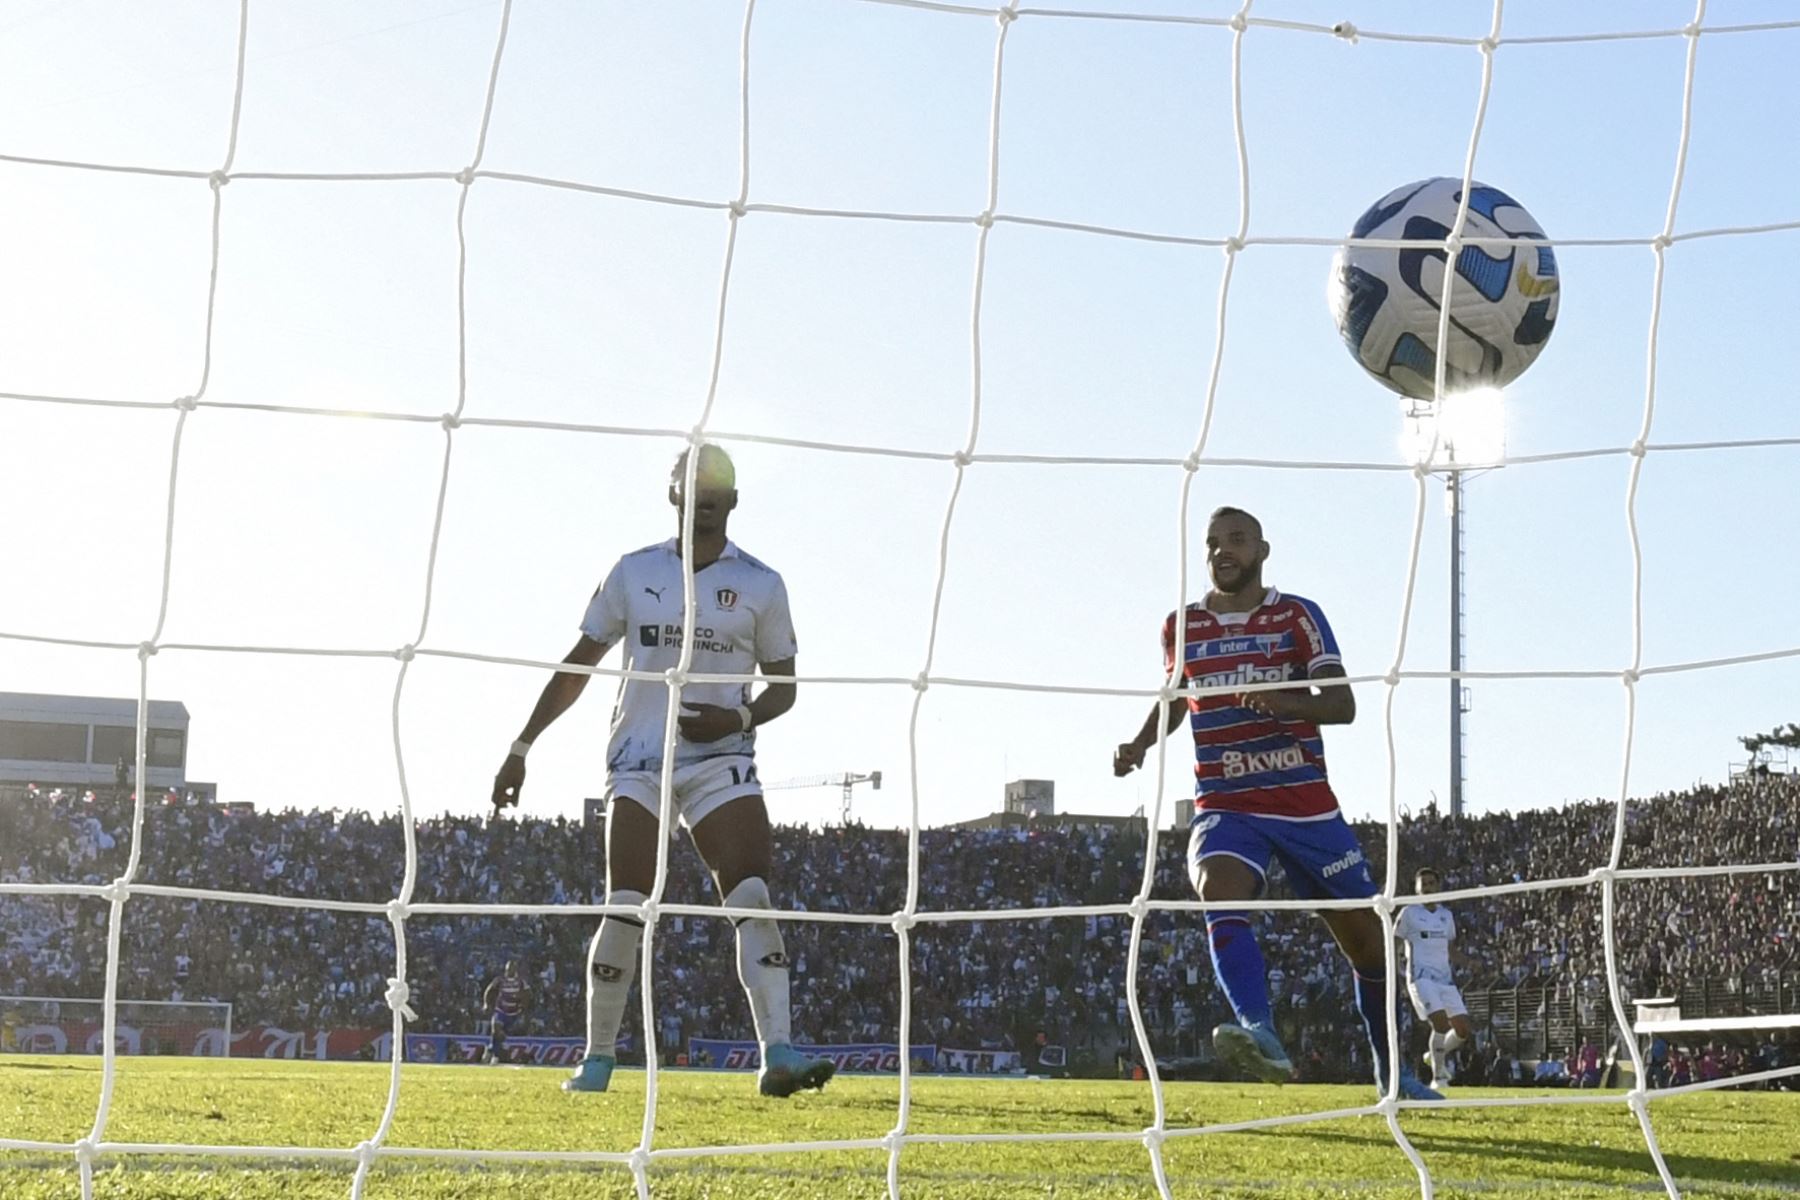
312	532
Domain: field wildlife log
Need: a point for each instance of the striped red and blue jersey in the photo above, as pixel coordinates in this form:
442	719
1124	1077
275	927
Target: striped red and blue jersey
509	997
1243	761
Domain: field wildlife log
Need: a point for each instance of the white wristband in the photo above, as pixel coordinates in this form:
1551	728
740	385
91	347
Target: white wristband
521	748
746	716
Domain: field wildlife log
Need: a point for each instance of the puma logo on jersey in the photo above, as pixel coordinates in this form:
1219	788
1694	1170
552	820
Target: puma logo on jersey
657	592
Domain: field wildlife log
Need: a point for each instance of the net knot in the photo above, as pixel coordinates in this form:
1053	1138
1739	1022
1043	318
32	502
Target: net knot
1661	242
638	1160
1629	676
1691	29
737	208
1384	903
1453	245
146	650
1154	1138
115	892
1638	449
1389	1104
903	921
1007	15
1238	22
890	1141
187	403
1139	908
962	458
1345	30
1392	678
1638	1101
217	180
1489	44
920	682
1604	875
985	220
649	908
1421	470
675	677
466	176
85	1151
398	911
406	652
1234	244
365	1154
397	996
1191	463
450	421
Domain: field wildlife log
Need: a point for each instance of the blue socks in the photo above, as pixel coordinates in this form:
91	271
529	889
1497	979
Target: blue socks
1238	963
1372	1003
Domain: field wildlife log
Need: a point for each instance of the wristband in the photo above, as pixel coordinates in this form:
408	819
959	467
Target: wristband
521	748
746	716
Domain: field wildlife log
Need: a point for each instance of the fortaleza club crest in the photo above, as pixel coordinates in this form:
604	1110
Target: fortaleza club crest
725	598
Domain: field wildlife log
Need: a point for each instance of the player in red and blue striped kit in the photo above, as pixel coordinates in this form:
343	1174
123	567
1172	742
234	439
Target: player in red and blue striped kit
505	998
1261	791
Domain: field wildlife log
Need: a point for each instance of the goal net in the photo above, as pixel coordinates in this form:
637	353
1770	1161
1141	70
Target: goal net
1017	289
77	1025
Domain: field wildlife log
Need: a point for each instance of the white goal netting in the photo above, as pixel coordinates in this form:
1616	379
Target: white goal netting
690	418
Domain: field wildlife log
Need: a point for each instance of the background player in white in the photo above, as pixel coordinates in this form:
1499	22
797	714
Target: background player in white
1428	931
741	623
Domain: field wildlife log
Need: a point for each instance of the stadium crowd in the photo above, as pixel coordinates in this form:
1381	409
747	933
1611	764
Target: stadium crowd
976	983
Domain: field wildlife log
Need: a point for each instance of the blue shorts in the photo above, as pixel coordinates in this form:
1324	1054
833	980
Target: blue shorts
504	1021
1322	858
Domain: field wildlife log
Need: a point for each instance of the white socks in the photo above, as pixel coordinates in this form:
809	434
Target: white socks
1442	1045
612	965
762	963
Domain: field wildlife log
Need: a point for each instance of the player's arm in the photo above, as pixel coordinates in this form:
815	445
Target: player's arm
1161	722
487	995
710	722
1331	704
564	688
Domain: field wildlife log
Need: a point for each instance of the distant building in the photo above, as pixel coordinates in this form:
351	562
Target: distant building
1029	797
81	740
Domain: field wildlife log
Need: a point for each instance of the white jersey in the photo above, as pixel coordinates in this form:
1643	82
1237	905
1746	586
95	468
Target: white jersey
741	619
1428	934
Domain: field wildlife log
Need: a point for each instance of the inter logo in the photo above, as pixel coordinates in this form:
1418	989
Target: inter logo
726	598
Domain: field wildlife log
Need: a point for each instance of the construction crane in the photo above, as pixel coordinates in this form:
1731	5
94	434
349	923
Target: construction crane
845	779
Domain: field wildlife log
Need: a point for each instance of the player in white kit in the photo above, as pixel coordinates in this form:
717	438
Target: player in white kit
1428	930
741	625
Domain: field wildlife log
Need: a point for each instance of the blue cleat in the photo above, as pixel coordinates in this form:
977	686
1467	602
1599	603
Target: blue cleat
1253	1050
1412	1089
593	1075
785	1071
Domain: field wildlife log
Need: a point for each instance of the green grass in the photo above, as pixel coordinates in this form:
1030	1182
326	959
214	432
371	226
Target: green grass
1724	1145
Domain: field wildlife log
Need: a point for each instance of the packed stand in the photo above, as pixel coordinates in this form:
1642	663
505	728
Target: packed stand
989	983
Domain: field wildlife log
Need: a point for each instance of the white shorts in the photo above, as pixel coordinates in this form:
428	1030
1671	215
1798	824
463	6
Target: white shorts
1431	995
700	787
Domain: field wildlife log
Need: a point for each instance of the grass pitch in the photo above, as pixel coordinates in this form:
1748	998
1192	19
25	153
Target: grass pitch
1721	1146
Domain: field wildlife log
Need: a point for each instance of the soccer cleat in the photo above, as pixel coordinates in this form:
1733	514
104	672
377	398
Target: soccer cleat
1253	1050
785	1071
593	1075
1412	1089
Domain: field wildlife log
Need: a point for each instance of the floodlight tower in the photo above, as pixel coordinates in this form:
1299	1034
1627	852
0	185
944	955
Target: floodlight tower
1462	433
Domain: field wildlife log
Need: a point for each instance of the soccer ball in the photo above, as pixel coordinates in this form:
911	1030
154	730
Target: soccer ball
1502	306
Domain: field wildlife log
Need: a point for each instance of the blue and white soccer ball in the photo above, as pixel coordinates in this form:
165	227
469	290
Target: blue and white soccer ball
1502	308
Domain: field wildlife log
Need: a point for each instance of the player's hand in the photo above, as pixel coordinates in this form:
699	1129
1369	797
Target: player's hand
1285	705
508	782
1128	758
708	722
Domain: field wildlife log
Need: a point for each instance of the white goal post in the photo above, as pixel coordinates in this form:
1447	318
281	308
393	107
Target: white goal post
77	1025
